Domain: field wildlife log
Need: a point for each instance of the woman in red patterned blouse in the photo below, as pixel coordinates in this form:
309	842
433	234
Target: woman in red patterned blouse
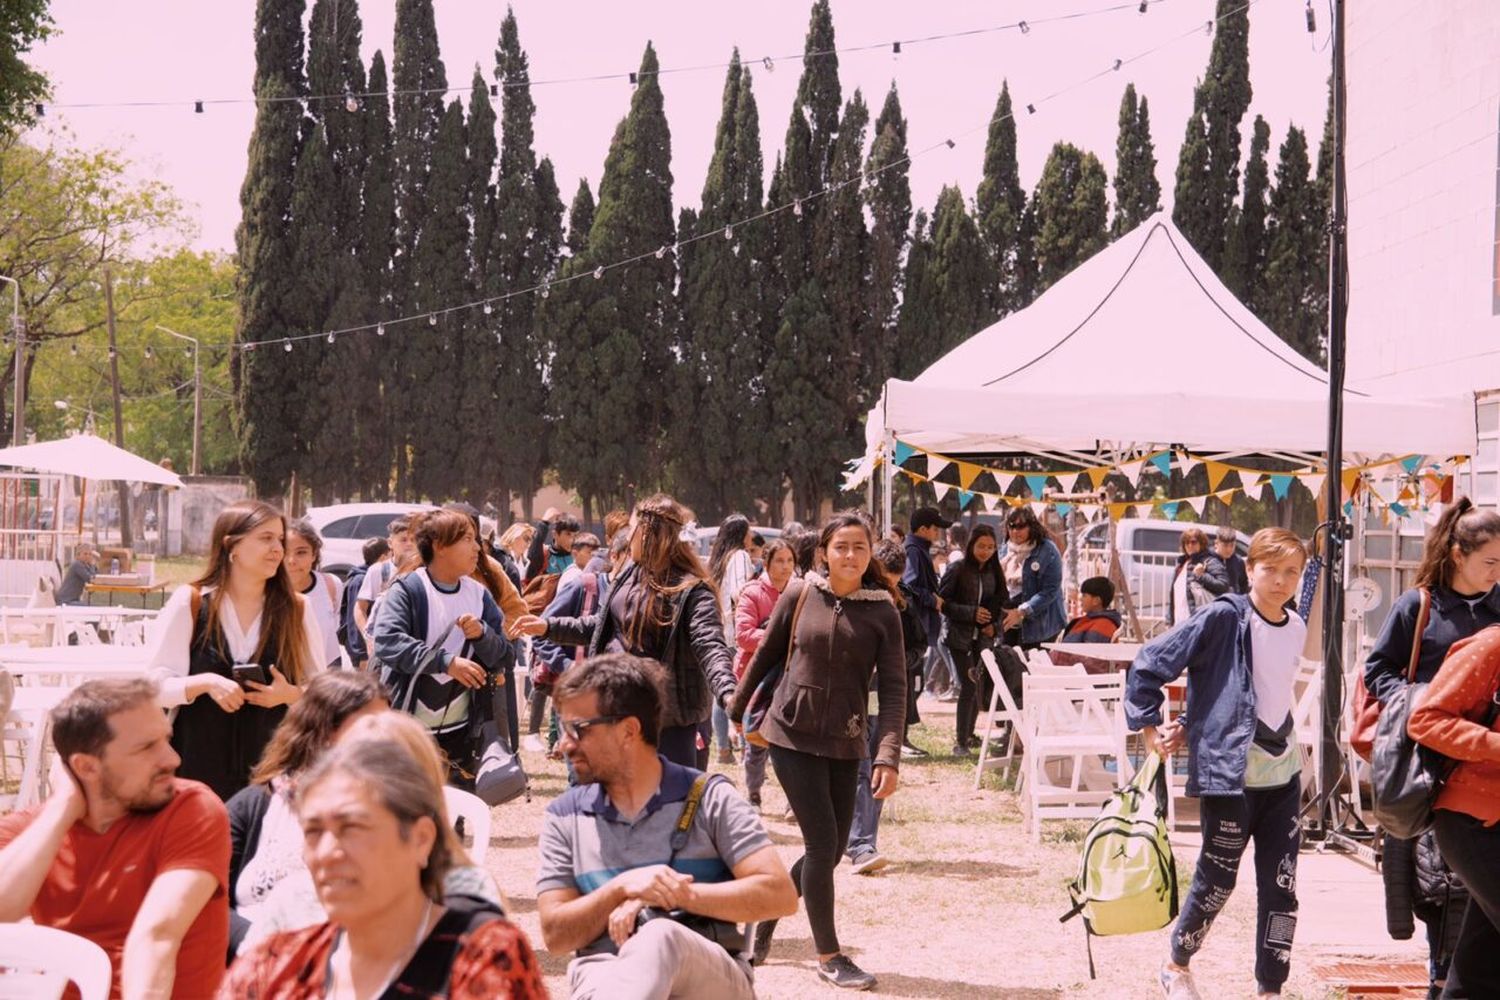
371	818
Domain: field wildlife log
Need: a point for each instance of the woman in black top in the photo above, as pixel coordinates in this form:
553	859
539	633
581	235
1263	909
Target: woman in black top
661	606
974	601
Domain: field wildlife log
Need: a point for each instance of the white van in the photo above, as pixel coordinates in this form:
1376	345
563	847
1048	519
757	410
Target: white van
1148	549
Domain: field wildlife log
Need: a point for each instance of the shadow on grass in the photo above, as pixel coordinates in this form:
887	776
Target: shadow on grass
891	984
965	871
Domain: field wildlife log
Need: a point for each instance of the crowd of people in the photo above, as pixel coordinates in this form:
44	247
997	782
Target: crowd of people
282	828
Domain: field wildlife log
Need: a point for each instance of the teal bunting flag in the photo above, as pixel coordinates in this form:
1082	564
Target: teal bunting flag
1037	484
964	496
1163	463
903	452
1064	509
1410	464
1280	485
1398	509
1170	509
1349	508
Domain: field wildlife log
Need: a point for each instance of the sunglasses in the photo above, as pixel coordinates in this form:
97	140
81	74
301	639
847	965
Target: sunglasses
1018	527
575	729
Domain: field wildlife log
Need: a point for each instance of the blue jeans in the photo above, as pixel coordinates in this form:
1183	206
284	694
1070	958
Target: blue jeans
866	825
721	727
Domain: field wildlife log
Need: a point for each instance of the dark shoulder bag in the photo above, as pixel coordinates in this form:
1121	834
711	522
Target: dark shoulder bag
1366	708
765	691
721	932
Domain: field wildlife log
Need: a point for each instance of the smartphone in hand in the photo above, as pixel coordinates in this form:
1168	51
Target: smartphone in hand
245	672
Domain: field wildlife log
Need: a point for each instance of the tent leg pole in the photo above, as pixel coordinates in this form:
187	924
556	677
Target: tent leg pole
887	482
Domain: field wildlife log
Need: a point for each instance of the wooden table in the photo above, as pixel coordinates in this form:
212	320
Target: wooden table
142	590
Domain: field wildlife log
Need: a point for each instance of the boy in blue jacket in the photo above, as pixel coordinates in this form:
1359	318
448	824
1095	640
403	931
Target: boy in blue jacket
1241	656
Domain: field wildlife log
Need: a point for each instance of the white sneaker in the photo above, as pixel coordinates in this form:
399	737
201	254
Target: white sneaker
1177	984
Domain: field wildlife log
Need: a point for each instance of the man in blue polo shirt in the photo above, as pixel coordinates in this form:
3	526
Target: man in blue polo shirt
649	917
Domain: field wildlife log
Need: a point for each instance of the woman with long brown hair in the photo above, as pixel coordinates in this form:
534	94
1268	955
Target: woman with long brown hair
232	649
661	606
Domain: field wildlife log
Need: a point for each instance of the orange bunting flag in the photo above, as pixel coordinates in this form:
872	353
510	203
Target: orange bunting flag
967	473
1216	473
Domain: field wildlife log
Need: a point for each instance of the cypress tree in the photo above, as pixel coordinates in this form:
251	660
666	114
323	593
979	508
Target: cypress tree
916	346
482	355
522	252
264	244
418	83
959	273
376	417
1137	191
334	68
1027	278
1071	212
999	204
434	352
316	267
888	199
1321	214
1208	171
1245	253
721	424
799	367
1296	245
573	392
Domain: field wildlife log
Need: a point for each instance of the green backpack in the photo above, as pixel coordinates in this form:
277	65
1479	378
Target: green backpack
1127	877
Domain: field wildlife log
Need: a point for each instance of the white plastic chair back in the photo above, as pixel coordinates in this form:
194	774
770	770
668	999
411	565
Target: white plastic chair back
40	961
476	816
1002	710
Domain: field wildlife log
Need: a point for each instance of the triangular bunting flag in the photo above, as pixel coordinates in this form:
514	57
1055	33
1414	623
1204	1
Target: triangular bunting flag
1096	476
964	496
1064	509
1197	504
1118	510
1314	482
1216	473
940	489
1163	462
1037	485
1411	463
1280	484
1069	481
936	464
1003	480
903	452
915	477
1398	509
1039	509
1351	477
1132	471
1349	508
992	501
1187	463
967	473
1169	508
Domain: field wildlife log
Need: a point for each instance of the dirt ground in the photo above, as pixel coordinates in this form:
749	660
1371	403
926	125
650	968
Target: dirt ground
967	908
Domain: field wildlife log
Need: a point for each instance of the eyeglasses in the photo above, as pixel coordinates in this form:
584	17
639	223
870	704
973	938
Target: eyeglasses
576	728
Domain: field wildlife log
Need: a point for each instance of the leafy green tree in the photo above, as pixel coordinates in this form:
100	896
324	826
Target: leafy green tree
372	449
916	347
266	245
1137	191
23	23
1296	245
334	68
1245	253
959	273
805	435
1208	170
521	251
999	204
313	284
722	421
888	200
1071	212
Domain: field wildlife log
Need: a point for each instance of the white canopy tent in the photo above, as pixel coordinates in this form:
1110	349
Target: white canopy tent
1142	346
88	457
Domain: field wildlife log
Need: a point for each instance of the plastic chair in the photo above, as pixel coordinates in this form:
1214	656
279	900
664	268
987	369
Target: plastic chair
40	961
475	814
1002	711
1075	720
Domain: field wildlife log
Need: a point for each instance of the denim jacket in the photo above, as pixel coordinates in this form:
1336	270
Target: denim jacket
1041	593
1214	647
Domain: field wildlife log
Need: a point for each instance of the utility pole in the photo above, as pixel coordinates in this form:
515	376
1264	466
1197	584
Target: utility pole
114	383
197	391
18	323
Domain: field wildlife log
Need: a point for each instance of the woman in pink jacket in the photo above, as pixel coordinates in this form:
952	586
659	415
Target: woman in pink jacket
751	614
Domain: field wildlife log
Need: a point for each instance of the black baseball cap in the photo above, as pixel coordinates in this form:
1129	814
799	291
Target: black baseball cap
926	517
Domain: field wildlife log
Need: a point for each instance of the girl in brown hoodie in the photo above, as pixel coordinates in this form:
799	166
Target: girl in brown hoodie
847	630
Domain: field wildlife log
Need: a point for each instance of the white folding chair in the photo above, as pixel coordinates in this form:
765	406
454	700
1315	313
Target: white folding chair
1003	711
1307	721
39	962
23	735
1040	662
1072	725
471	809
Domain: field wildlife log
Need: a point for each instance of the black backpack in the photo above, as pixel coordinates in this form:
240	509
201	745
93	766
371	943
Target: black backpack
347	629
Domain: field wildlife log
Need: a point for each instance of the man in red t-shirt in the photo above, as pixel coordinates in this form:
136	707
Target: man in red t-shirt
124	853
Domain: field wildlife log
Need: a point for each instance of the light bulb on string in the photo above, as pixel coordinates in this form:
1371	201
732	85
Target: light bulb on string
546	289
1025	28
111	354
73	350
661	251
489	307
330	336
432	319
148	352
1312	19
1145	4
769	64
895	51
797	207
1208	28
351	103
598	272
380	329
729	232
197	107
286	345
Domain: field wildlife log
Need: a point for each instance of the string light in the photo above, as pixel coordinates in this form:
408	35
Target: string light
330	336
148	352
895	49
351	103
73	350
545	286
1312	19
1208	28
41	110
494	90
729	232
489	307
286	344
1025	28
1145	4
197	107
1118	64
769	64
633	79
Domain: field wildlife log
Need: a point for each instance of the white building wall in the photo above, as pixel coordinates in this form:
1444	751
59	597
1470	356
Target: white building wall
1423	117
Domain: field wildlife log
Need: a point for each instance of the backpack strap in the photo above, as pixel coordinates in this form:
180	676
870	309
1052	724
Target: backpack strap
1424	611
332	588
684	827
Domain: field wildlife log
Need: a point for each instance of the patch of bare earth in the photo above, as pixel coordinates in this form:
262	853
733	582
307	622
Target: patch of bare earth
968	907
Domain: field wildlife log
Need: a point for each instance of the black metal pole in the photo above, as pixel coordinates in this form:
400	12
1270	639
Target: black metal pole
1337	526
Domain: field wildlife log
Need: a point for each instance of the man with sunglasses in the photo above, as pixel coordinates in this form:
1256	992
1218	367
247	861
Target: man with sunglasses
649	915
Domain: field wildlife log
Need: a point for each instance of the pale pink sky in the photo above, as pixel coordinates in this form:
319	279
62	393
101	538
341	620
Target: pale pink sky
157	50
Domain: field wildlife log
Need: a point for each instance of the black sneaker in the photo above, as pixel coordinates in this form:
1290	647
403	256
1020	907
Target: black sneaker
762	949
844	974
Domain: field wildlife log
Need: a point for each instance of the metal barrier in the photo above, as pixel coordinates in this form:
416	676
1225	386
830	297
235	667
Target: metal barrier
1149	577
